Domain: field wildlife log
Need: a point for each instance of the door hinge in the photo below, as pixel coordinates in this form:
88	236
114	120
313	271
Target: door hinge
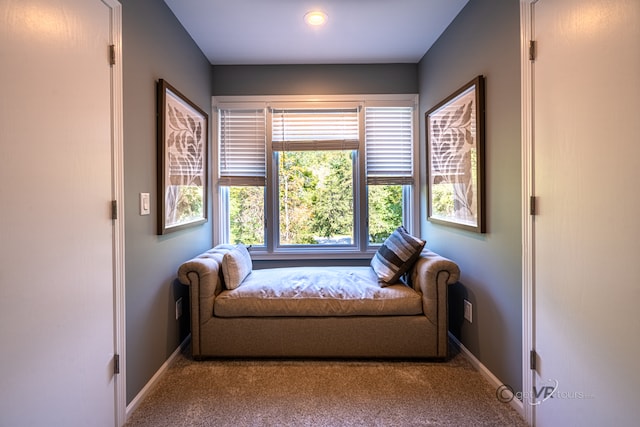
532	50
532	205
532	359
112	54
116	364
114	209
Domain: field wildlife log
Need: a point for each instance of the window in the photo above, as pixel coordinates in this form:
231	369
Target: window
310	177
314	152
242	174
390	172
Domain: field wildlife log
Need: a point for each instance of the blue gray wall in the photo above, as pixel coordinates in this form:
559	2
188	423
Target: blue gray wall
484	39
314	79
155	46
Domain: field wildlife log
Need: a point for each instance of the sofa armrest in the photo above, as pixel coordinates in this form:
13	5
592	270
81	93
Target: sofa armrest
203	275
430	276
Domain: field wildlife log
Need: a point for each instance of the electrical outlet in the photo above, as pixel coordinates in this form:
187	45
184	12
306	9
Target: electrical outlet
468	311
179	308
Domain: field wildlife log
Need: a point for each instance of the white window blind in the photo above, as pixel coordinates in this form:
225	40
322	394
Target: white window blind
314	129
389	145
242	147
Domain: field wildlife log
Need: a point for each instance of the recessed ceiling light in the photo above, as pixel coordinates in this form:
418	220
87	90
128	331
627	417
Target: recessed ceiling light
315	18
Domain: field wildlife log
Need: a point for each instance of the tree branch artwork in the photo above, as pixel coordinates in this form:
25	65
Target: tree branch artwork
455	142
182	161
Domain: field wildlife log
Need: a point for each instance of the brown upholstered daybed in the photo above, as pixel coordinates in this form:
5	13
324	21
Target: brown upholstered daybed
341	312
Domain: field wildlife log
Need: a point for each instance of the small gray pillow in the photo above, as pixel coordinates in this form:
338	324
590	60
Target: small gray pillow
236	265
396	255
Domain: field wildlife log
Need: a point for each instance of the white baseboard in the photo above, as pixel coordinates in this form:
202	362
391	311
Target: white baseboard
486	373
154	379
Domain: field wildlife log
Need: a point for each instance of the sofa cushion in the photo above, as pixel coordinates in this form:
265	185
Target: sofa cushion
316	291
396	255
236	266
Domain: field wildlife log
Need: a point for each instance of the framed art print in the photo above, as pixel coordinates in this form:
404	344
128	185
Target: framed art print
182	161
455	158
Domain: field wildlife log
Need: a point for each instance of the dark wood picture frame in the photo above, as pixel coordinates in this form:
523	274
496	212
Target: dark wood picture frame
455	158
182	160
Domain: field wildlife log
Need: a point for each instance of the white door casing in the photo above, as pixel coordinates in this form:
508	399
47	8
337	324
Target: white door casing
61	254
581	270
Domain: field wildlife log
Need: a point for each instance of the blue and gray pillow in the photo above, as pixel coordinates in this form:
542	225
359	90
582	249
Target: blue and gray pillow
396	255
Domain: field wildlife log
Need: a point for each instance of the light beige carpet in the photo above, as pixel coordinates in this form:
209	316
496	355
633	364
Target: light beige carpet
322	393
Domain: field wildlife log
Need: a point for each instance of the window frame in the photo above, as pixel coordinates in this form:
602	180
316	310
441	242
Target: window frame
361	248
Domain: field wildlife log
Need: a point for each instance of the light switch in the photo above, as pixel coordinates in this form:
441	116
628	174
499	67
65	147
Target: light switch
144	204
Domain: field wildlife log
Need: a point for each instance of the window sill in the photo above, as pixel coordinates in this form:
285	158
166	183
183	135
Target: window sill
325	255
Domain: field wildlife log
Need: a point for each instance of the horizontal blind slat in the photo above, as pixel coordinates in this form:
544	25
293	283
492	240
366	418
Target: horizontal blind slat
389	145
242	147
293	126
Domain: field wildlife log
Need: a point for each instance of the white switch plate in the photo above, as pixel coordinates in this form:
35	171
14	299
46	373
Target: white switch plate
179	308
468	311
145	209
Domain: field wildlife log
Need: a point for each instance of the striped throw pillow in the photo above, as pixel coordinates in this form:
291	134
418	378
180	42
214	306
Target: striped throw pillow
396	255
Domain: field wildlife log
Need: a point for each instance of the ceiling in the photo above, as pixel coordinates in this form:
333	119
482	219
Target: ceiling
245	32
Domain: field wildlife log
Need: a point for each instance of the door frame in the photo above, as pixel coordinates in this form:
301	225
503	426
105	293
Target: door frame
117	135
528	192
